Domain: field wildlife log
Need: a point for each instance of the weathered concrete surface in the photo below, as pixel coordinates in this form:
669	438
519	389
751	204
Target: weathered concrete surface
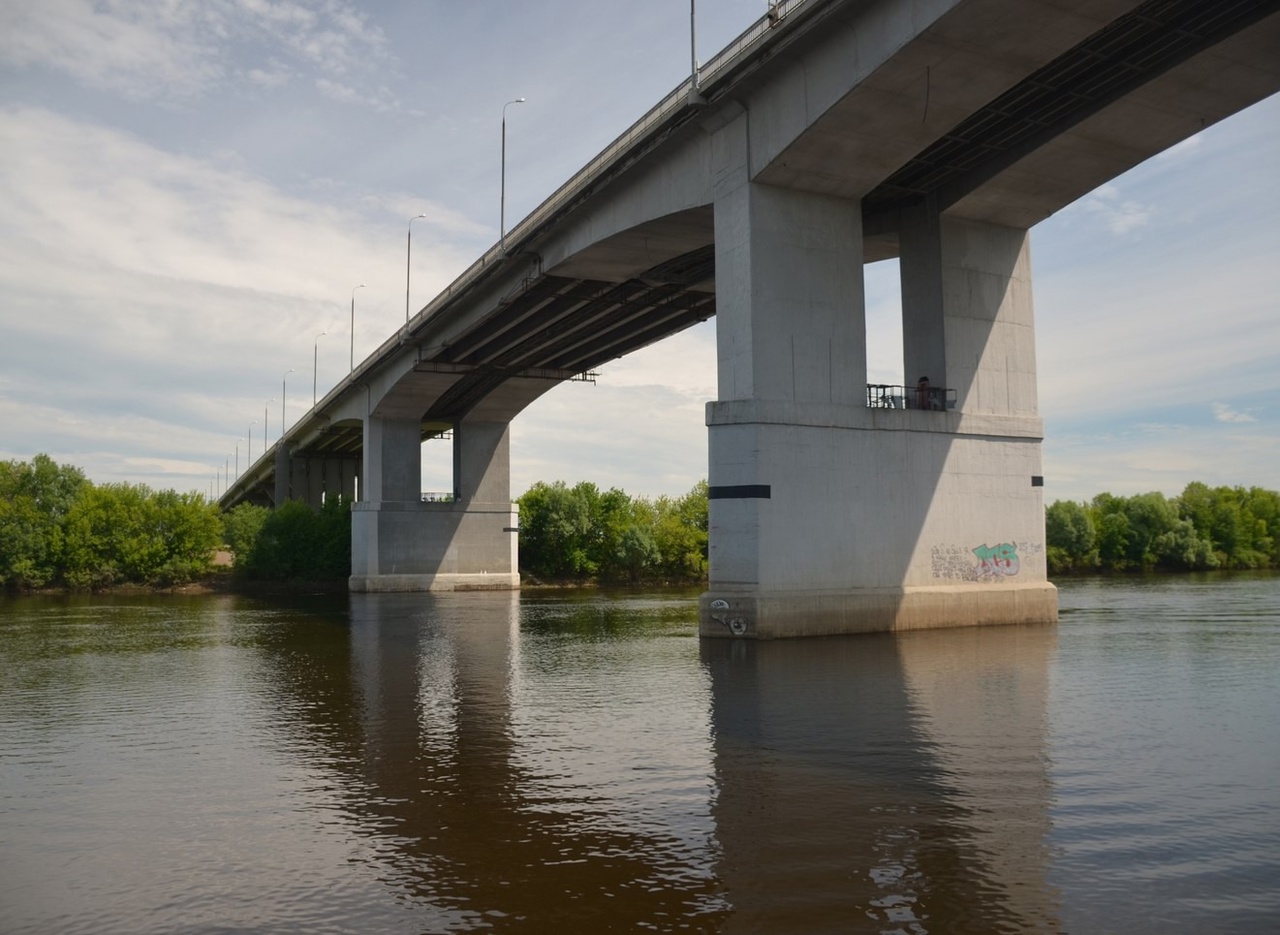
785	614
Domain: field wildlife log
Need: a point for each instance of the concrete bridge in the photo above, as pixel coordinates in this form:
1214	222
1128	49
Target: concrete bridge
832	133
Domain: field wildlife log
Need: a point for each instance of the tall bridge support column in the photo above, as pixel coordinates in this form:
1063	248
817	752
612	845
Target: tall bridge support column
400	543
827	516
313	478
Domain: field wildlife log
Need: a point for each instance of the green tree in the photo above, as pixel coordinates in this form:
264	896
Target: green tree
1070	537
578	532
189	529
1239	523
1182	548
681	534
127	533
241	527
1114	538
297	543
1150	517
556	530
35	499
1264	505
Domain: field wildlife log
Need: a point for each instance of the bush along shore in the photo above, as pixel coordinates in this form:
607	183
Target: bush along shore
1201	529
59	530
580	534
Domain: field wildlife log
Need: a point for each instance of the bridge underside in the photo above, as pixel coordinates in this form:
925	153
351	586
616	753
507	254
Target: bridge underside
828	514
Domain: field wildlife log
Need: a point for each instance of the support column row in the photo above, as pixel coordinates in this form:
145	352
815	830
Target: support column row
400	543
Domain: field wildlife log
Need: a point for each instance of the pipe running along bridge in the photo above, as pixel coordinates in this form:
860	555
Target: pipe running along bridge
832	133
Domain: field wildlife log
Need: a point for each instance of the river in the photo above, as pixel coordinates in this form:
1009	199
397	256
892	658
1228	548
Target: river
579	762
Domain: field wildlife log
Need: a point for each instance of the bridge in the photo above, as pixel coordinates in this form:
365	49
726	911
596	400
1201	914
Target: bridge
830	134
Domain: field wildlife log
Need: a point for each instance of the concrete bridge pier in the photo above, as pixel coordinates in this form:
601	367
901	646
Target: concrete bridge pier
312	479
827	516
400	543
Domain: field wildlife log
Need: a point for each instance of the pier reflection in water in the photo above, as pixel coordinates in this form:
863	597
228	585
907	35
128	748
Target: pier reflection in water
567	765
884	783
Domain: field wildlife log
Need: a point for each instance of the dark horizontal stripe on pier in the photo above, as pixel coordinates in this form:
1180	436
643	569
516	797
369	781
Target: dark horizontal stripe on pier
740	492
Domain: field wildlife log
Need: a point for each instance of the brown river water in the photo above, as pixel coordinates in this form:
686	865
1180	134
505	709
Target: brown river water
581	762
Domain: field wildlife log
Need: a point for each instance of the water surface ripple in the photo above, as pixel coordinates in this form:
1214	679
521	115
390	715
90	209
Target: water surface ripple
580	762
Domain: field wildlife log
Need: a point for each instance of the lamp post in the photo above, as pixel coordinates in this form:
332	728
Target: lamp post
265	407
353	327
248	455
502	201
408	252
284	382
315	360
218	477
693	43
237	474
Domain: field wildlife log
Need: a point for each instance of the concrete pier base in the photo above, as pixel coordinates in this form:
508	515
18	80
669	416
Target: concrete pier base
417	546
489	581
728	612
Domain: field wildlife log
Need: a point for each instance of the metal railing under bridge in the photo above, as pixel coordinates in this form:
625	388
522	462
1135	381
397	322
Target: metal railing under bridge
920	396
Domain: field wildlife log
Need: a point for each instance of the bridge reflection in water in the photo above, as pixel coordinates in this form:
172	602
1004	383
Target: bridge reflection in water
581	765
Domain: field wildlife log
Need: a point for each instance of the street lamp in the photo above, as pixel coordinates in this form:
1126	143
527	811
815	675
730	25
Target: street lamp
353	327
248	455
408	251
284	380
315	360
693	44
502	206
265	406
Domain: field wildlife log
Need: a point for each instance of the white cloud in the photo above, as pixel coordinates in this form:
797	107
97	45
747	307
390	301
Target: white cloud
1121	215
275	75
380	99
154	300
183	48
132	52
1224	413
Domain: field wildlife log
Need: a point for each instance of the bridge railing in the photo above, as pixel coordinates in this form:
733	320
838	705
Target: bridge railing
894	396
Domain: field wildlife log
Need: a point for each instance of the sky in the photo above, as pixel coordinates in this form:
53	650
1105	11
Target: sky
192	190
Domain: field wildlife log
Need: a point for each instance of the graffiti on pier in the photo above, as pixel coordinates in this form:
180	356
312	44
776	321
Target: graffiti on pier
997	561
953	563
983	563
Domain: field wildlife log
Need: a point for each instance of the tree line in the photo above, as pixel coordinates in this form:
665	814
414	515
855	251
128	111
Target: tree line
580	533
1202	528
57	528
